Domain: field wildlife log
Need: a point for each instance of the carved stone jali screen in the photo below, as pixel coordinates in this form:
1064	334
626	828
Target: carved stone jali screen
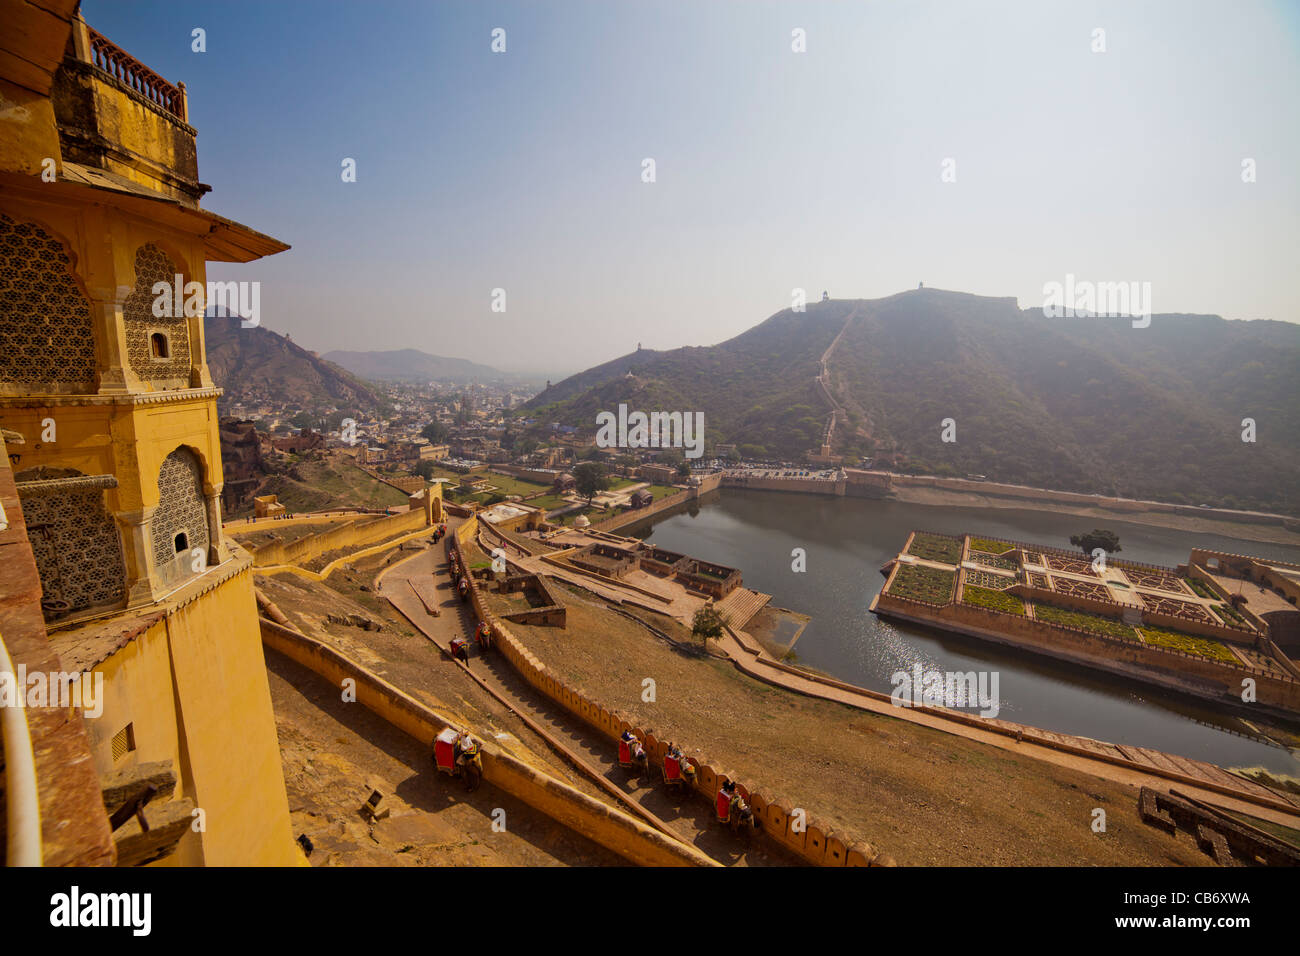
180	508
46	338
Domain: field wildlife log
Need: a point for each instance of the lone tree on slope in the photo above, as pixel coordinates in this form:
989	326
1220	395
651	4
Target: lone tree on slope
707	623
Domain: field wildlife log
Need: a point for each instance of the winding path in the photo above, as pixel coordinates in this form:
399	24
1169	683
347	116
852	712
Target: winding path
418	583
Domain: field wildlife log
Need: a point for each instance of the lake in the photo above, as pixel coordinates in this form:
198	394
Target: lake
848	540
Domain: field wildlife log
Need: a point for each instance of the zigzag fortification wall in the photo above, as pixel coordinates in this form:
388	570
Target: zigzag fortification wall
800	832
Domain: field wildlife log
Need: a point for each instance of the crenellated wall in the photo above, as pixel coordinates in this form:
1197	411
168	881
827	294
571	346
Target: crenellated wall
636	515
351	535
1161	665
801	833
807	486
611	828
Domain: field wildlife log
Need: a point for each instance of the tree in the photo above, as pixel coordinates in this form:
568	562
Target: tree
707	623
1108	541
683	469
589	479
424	469
435	432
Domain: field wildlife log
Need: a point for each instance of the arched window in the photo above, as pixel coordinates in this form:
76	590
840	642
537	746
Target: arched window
45	322
181	522
158	346
172	369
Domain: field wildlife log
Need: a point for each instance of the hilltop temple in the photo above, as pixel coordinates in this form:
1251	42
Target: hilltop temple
113	566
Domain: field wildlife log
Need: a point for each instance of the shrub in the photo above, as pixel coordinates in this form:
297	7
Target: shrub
923	584
994	561
993	600
1052	614
1230	615
991	545
935	547
1189	643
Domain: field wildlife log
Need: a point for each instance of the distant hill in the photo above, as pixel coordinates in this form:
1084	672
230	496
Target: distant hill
251	364
1082	404
412	365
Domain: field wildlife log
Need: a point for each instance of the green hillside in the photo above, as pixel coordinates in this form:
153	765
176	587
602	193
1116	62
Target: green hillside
1083	404
758	388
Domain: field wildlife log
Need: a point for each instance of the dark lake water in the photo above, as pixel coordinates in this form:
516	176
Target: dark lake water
847	540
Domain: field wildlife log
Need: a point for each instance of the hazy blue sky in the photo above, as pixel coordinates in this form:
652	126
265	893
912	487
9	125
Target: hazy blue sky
775	169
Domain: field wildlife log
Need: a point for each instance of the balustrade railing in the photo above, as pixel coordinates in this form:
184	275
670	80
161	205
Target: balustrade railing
123	67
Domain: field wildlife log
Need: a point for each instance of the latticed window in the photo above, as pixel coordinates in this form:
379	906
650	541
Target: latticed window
46	338
143	328
181	516
75	542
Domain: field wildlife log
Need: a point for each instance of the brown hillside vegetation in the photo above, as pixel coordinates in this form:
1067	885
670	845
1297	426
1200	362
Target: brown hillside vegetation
254	363
331	482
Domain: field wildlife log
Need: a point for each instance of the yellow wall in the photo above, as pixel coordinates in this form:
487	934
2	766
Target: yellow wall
127	441
156	140
194	686
193	683
27	130
351	535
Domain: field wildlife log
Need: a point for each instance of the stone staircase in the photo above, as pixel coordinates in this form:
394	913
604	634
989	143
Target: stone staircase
740	606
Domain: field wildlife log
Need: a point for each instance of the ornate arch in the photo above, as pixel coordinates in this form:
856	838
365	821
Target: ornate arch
153	264
74	538
181	508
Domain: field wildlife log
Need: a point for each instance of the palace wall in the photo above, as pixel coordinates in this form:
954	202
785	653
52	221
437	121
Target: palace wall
345	536
193	689
1166	666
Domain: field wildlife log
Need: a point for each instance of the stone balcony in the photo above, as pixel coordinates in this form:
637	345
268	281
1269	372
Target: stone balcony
117	115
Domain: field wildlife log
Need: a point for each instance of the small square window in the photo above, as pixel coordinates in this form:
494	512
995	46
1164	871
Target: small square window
123	742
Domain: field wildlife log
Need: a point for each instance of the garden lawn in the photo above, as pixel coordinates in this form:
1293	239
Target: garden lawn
1084	621
993	600
935	547
920	583
1189	643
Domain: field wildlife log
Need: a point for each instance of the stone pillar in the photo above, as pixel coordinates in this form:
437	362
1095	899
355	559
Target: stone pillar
137	553
114	375
81	40
216	540
105	282
200	376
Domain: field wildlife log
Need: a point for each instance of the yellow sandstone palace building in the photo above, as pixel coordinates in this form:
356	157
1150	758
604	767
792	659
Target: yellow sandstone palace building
112	558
